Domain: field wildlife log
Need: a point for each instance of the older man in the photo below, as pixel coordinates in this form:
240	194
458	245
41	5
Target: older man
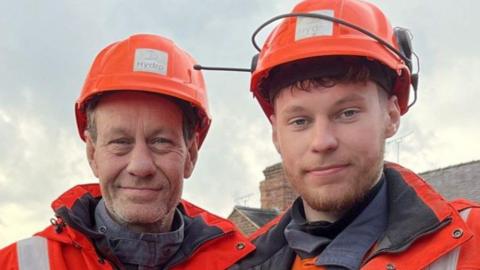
143	115
334	78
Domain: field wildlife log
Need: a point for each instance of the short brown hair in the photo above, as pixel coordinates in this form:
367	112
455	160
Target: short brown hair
326	72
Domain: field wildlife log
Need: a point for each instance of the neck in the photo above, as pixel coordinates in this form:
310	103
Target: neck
132	244
312	215
160	226
163	225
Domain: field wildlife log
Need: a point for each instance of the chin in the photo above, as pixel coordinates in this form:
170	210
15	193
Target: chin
333	198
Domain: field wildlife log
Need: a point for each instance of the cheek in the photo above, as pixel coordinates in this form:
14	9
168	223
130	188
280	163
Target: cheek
109	166
292	156
292	144
177	187
172	165
172	171
364	138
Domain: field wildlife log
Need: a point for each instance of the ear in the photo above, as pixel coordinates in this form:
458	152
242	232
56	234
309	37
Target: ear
392	117
192	155
273	121
90	145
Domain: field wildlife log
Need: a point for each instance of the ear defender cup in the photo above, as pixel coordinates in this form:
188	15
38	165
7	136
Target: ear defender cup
405	44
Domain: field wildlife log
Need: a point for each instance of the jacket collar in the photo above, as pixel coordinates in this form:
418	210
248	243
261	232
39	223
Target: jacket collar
415	210
410	216
75	209
417	214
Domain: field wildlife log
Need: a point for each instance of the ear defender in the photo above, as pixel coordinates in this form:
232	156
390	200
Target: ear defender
405	44
404	41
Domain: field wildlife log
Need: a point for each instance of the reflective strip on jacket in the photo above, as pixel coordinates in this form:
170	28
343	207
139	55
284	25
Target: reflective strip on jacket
61	247
424	231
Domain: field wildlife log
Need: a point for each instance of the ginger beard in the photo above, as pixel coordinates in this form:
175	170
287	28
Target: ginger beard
339	197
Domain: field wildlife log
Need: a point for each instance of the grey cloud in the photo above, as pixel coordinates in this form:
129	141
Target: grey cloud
47	48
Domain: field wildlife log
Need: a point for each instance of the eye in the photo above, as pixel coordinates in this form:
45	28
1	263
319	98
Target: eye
161	140
120	141
298	122
120	146
348	114
161	145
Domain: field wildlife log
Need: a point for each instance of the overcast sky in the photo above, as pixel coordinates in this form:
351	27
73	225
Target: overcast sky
46	48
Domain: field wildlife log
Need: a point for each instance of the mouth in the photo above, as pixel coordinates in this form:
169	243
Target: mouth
145	193
327	170
140	188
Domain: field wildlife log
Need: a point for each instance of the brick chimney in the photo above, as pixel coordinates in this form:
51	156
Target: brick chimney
275	191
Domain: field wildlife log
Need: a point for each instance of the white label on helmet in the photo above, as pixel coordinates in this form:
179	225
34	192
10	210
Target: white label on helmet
311	27
150	60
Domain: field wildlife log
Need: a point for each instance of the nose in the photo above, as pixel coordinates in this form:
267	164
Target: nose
323	138
141	163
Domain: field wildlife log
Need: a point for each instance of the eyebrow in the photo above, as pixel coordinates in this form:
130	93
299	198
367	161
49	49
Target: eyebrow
349	98
122	131
118	131
159	131
294	109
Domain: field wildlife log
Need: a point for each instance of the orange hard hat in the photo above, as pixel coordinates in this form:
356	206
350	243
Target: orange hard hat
317	28
147	63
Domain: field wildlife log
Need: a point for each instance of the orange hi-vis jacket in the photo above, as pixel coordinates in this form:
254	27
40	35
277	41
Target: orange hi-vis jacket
424	231
67	244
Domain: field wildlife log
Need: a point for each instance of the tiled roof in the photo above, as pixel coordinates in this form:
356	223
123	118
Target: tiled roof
457	181
257	215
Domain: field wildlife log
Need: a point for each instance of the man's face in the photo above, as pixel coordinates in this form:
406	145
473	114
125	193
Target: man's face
332	141
140	156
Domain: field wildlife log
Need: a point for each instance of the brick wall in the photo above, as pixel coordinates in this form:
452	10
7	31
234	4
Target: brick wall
275	191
